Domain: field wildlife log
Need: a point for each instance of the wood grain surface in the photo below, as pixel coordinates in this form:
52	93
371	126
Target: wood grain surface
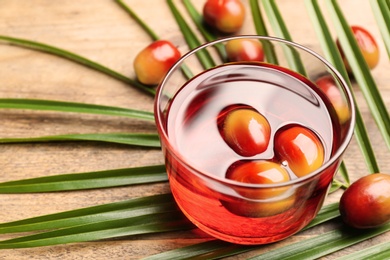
101	31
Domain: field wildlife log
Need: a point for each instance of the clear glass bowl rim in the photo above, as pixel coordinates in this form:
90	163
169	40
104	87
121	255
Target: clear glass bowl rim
341	149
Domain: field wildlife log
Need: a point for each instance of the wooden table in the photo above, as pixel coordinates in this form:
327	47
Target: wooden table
103	32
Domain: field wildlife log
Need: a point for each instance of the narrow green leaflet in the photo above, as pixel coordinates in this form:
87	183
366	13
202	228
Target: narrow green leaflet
262	30
332	54
76	58
144	26
214	249
381	10
146	140
323	244
336	185
51	105
327	212
364	142
360	70
327	43
217	249
89	180
197	18
137	216
377	252
191	39
187	72
123	209
155	223
293	57
281	31
344	173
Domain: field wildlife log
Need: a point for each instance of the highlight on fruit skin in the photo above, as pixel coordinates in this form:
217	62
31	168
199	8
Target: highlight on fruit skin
300	147
258	172
153	62
366	203
367	45
245	130
259	202
244	50
226	16
328	86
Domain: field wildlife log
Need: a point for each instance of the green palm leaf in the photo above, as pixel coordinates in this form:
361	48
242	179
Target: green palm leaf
217	249
89	180
197	18
137	216
144	26
262	30
377	252
190	37
76	58
312	248
381	9
107	229
361	71
133	207
187	72
146	140
281	31
323	244
327	212
292	56
61	106
332	54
